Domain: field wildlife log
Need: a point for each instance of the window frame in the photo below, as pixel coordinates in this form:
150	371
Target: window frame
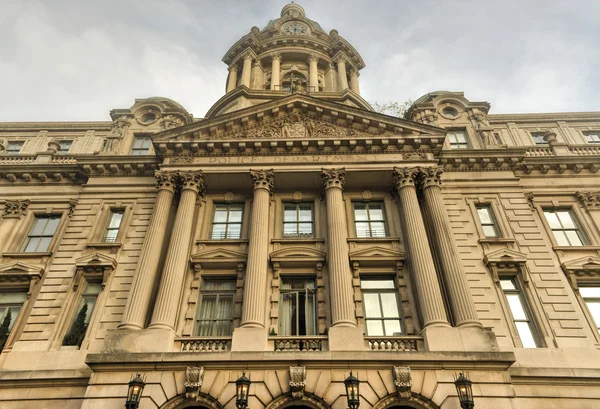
112	211
297	221
90	314
458	145
61	151
15	326
379	291
526	307
8	151
138	151
494	220
589	140
535	138
386	232
594	299
581	233
297	292
202	293
28	235
227	223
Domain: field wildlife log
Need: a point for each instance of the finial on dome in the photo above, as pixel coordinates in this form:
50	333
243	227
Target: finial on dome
292	10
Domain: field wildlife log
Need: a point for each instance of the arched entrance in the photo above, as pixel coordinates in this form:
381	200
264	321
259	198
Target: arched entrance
416	401
203	401
308	401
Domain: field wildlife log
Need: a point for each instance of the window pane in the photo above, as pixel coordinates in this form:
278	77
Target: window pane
362	229
561	238
38	227
115	220
589	292
207	309
552	220
44	244
51	226
566	220
305	229
507	285
389	303
376	212
305	214
218	232
383	284
489	231
360	212
484	215
371	303
516	307
32	245
526	335
392	327
234	231
235	216
290	229
574	239
12	298
289	214
374	328
594	308
220	215
377	229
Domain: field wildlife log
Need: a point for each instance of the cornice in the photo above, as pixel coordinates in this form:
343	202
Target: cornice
544	117
56	126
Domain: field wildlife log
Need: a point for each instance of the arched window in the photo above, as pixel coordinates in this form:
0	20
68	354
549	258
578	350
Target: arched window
293	80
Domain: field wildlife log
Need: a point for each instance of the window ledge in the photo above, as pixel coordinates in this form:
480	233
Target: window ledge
105	245
298	240
576	248
229	241
497	240
371	239
23	254
281	337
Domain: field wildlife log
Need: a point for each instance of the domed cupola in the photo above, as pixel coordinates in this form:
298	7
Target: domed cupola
292	54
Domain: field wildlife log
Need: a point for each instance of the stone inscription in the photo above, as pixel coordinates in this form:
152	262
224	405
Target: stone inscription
308	159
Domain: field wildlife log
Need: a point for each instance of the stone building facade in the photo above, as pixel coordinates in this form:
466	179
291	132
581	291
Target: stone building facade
295	235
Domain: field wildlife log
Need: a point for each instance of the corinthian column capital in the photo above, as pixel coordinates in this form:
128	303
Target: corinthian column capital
275	56
312	58
333	178
192	180
233	68
165	180
263	179
431	176
405	177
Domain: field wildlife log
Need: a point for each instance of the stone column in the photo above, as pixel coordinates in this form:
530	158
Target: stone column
136	309
340	276
461	301
313	73
169	292
232	81
354	81
341	68
253	313
418	251
246	69
275	70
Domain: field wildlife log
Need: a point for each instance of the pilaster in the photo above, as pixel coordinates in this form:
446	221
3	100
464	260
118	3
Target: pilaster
275	70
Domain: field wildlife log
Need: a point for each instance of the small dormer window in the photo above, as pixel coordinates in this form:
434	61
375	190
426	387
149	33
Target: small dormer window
450	112
148	117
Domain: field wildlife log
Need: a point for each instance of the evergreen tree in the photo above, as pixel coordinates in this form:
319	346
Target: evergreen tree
5	329
77	333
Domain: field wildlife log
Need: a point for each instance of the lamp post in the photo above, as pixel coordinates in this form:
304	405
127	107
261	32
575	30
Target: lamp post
134	394
352	385
465	391
242	388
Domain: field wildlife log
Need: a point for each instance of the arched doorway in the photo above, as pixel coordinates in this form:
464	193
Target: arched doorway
203	401
416	401
308	401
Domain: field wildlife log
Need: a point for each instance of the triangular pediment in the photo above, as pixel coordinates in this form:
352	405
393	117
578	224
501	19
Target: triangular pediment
297	253
505	256
17	268
376	252
96	260
583	264
298	116
218	258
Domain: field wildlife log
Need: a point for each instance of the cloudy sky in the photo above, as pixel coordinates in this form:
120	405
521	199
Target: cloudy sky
76	60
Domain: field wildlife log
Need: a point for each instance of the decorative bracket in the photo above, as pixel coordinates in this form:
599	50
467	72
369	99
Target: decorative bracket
297	381
193	381
402	381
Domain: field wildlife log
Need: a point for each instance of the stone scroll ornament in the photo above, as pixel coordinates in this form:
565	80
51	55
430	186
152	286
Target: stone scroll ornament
297	381
402	381
193	381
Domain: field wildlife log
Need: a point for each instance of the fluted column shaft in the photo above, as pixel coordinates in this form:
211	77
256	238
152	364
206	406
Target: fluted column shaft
169	292
253	312
419	253
136	309
354	81
232	81
461	301
342	76
340	276
246	70
275	69
313	73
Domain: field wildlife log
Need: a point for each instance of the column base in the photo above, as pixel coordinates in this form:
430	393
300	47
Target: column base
249	339
346	339
467	338
146	340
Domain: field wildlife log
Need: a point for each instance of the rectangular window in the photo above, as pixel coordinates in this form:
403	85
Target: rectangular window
41	234
297	220
520	313
141	145
14	147
298	307
65	147
215	308
84	312
488	221
458	139
564	227
591	296
369	220
381	306
227	223
593	137
538	138
10	307
114	223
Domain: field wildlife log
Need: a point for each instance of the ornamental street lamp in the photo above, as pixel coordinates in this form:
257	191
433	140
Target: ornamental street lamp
352	391
242	388
465	391
134	394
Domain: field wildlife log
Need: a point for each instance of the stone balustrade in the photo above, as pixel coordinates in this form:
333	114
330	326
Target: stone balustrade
203	344
584	150
298	344
399	344
539	151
